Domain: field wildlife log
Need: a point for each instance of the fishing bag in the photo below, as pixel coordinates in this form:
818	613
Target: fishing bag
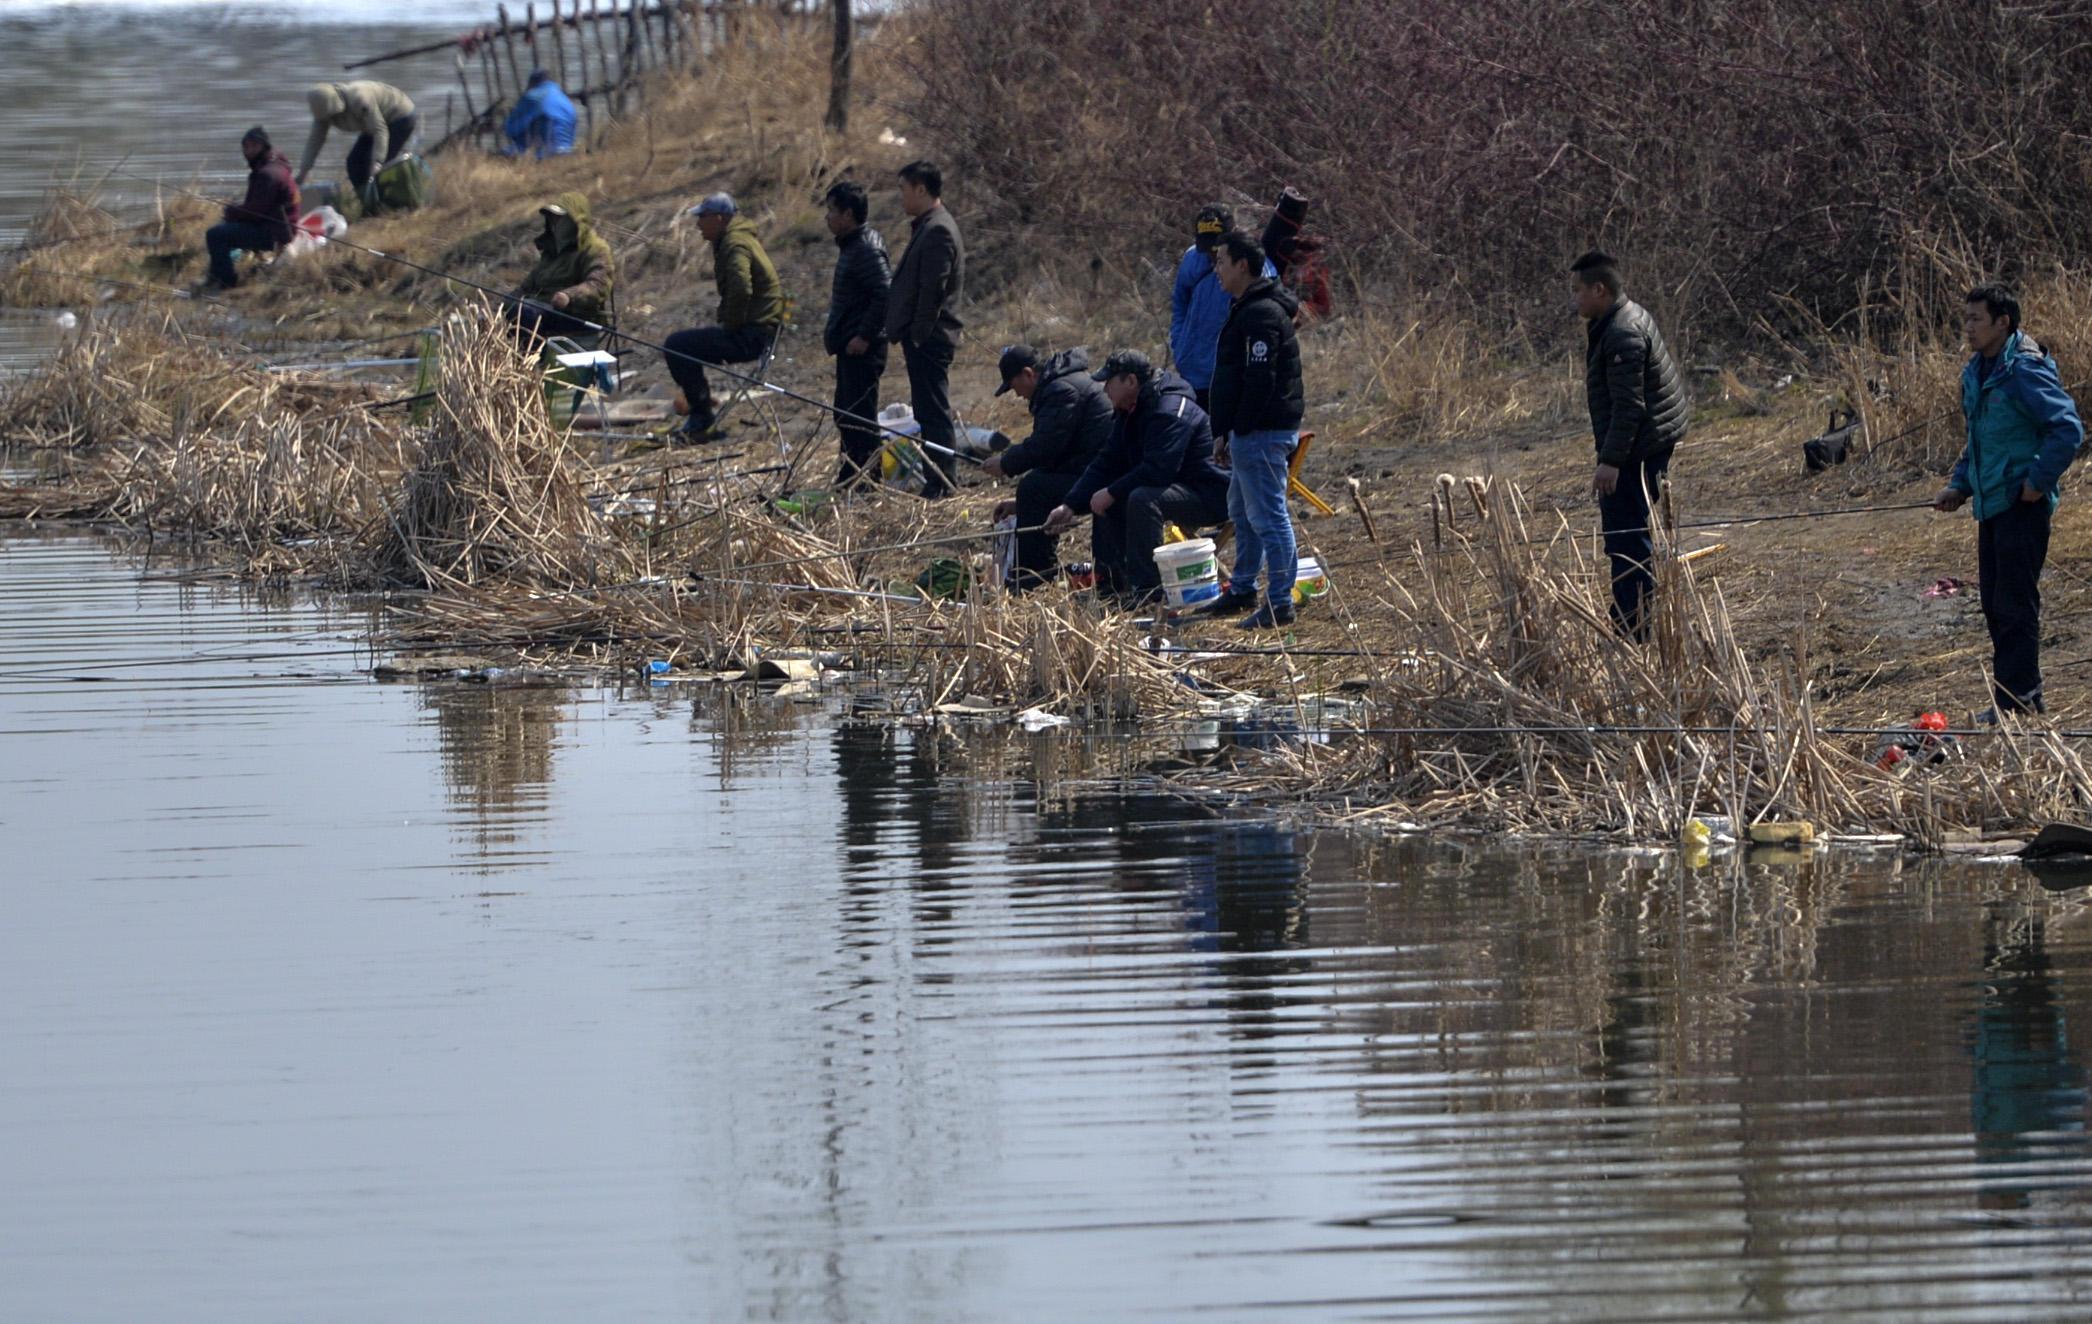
406	184
1834	446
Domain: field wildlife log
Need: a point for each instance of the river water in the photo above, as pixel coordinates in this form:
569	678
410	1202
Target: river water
326	999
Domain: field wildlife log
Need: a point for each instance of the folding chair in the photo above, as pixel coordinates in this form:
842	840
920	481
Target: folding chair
1294	487
744	390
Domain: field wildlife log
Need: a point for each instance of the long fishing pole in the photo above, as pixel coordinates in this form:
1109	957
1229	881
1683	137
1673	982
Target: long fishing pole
599	328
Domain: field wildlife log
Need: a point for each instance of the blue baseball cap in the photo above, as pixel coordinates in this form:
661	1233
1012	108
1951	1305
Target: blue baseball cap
717	204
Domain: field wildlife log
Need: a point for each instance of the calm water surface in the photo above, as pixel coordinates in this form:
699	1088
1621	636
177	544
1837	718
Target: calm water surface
328	1000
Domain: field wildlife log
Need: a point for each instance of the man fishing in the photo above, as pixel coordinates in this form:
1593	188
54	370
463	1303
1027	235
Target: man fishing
1071	421
751	309
1157	468
569	287
261	222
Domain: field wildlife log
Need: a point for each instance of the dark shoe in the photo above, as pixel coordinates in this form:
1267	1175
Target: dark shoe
1227	604
1270	616
696	431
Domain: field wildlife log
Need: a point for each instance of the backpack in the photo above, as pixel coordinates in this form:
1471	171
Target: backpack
406	184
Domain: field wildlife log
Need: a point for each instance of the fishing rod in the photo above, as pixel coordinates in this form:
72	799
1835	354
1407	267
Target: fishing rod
600	329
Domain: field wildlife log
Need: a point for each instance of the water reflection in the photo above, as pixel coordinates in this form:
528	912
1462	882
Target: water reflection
2027	1100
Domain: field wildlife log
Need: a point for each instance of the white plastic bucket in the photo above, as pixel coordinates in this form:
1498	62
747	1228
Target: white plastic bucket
1308	580
1190	571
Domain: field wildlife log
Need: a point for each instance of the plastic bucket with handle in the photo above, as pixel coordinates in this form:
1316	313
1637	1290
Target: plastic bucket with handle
1190	571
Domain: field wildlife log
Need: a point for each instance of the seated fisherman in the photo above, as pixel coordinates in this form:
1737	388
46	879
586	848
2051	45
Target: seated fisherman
1070	422
569	288
542	124
264	220
1157	468
751	308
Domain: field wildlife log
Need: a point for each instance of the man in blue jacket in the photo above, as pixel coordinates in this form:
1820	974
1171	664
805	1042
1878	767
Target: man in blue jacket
2023	431
1198	306
542	123
1156	469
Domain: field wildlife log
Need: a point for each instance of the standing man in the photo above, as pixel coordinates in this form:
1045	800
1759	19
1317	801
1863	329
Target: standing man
261	222
1156	469
1638	416
1257	408
1070	423
919	316
379	114
1198	306
2023	432
856	329
751	309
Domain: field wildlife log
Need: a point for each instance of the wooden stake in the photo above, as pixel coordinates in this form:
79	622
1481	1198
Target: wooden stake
508	44
530	34
559	48
465	84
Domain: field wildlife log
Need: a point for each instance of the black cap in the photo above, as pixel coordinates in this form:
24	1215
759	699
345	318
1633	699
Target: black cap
1215	219
257	134
1015	359
1123	361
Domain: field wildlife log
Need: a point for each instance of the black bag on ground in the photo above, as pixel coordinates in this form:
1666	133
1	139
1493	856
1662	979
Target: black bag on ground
1820	453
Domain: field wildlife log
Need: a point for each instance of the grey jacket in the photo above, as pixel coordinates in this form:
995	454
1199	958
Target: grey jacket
1639	407
930	279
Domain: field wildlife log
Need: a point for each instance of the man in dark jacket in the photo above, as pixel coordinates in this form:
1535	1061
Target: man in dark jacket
1257	408
1638	416
1157	468
1070	423
751	309
856	329
919	316
265	219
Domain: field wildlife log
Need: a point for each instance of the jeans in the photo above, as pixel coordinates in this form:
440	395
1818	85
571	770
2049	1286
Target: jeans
1624	517
1257	505
689	351
221	239
360	168
857	392
1123	539
537	321
1038	492
929	394
2010	551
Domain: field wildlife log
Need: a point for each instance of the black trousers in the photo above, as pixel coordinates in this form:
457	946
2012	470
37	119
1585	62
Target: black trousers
361	167
1624	517
2011	548
711	344
538	321
1038	492
857	392
1123	539
929	394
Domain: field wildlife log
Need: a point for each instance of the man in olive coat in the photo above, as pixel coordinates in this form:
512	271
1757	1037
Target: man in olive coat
1638	415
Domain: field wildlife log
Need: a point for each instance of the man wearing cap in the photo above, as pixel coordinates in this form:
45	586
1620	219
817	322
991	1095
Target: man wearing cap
919	316
856	330
379	114
1070	423
751	309
569	287
261	222
1198	306
1157	468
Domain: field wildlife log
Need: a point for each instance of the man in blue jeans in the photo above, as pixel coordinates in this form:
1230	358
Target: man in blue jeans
1639	412
1257	408
2023	432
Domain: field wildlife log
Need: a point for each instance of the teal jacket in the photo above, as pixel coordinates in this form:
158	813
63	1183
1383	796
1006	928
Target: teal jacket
2023	427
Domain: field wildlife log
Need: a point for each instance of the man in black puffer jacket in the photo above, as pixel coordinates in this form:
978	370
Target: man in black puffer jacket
1070	423
1156	469
1257	408
856	329
1638	416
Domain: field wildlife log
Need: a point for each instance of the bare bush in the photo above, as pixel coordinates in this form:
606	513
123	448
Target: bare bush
1746	156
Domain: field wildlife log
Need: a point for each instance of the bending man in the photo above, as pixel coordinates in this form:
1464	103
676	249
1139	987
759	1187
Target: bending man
1070	423
379	114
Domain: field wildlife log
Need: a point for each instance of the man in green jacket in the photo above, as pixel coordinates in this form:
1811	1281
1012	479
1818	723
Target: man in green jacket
751	309
569	287
2023	431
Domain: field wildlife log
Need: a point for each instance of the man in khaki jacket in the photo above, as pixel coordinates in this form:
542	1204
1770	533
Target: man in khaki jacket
379	114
